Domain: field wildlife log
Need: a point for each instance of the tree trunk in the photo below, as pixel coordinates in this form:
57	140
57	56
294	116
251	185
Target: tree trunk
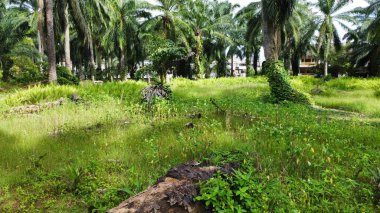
198	52
92	60
326	67
248	65
272	38
232	66
51	41
68	62
256	58
80	72
122	65
41	31
373	66
295	65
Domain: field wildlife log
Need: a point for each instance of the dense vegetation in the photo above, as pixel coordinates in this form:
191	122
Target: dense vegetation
81	127
94	153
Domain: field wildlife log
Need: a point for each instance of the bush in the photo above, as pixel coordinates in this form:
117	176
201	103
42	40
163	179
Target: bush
65	77
281	89
24	70
148	69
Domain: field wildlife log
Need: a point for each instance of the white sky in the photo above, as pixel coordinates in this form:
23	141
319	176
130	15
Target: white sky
356	3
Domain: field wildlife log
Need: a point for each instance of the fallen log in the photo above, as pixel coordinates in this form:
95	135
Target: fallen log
30	109
173	193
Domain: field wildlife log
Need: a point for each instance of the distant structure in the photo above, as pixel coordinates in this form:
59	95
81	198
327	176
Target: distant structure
307	64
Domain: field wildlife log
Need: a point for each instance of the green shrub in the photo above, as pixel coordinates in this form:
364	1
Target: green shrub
65	77
148	69
281	89
249	190
24	70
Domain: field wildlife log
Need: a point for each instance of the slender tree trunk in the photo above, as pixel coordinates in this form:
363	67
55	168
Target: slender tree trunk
232	66
122	65
256	58
295	65
92	60
326	67
248	65
41	31
198	52
80	70
68	62
51	41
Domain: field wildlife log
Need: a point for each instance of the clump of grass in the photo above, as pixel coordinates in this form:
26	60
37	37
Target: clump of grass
39	93
353	83
377	93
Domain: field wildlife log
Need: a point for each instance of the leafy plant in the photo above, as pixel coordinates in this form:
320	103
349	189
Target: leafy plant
281	89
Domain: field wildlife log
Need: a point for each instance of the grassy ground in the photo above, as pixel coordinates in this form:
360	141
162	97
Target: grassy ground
93	154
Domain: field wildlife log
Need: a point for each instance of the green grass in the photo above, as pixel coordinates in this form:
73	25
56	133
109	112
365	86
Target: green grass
94	154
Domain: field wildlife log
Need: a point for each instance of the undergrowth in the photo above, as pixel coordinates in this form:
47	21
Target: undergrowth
91	155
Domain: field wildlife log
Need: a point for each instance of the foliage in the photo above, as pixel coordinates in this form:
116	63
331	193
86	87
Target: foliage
144	71
250	190
281	89
165	56
24	70
65	77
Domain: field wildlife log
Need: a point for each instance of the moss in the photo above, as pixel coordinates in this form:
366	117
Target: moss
280	87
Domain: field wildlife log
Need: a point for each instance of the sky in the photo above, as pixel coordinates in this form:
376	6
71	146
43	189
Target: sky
356	3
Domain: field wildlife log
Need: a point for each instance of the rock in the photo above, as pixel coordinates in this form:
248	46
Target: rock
190	125
196	116
74	97
172	193
316	91
157	91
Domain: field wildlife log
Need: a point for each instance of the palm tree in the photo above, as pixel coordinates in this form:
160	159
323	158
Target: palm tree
167	21
14	26
303	45
364	42
219	39
328	34
50	41
66	29
83	26
251	17
206	22
123	32
275	13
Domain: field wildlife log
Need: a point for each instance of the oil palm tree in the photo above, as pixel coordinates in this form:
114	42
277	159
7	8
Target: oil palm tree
123	32
328	34
251	17
168	21
206	22
14	27
364	41
275	13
